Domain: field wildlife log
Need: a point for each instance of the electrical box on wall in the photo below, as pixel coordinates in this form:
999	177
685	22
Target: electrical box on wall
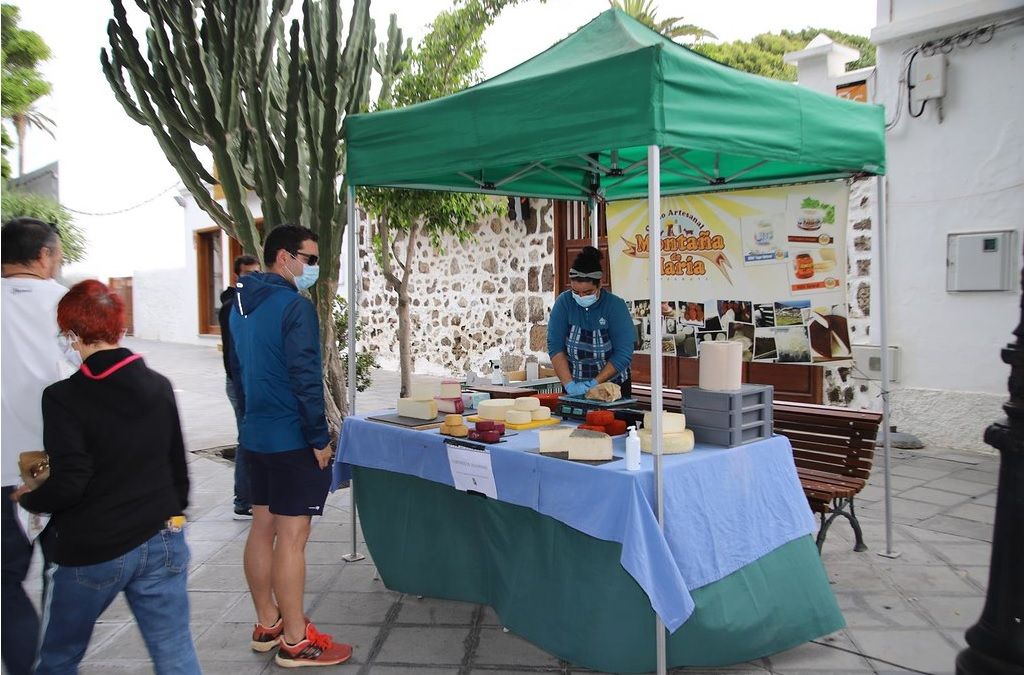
928	78
981	261
867	361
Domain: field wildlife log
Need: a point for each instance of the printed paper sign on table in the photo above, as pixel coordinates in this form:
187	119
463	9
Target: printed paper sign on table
471	470
766	267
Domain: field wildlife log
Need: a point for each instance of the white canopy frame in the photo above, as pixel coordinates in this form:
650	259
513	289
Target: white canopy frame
653	164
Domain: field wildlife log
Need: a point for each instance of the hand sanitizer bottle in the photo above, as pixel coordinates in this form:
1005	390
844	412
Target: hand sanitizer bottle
632	450
496	376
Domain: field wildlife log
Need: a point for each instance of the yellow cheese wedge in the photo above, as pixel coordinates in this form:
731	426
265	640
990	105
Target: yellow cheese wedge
494	408
671	423
528	403
453	420
552	438
588	445
518	417
541	413
421	410
672	444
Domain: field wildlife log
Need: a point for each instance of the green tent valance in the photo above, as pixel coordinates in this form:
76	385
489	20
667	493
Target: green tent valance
577	118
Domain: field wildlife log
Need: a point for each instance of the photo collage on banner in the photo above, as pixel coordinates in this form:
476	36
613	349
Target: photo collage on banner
761	267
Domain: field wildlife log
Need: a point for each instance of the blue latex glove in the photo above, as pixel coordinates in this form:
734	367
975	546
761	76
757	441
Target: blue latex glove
580	387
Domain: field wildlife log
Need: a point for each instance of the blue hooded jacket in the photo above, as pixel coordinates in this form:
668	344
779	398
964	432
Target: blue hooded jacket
276	368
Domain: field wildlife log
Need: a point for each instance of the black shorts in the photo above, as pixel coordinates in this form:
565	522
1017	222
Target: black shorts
291	483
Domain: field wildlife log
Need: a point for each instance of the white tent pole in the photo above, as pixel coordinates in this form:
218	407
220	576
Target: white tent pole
593	222
352	229
883	338
654	276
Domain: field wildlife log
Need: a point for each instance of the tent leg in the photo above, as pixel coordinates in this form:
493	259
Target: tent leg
883	338
654	276
593	222
350	375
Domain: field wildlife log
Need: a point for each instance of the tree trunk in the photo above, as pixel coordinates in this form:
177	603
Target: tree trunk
404	339
21	129
335	385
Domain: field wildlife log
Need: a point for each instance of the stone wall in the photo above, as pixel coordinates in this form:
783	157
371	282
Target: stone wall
485	299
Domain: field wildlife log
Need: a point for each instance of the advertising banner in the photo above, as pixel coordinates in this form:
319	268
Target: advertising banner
766	267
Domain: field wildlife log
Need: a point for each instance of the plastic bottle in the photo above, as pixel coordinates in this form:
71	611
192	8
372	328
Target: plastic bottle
496	376
632	450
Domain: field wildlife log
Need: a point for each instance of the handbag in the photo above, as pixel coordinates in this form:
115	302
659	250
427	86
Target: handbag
34	466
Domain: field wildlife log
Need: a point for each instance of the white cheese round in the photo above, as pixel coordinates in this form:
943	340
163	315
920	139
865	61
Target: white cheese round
541	413
528	403
518	417
494	408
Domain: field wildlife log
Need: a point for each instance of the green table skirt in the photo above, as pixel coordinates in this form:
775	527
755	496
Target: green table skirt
567	592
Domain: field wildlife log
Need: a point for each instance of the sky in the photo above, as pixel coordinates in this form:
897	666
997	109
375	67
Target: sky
109	163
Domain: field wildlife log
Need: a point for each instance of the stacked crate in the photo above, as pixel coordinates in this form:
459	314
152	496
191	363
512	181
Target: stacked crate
729	418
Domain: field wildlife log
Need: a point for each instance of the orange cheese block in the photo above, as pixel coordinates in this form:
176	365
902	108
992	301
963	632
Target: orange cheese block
615	428
600	417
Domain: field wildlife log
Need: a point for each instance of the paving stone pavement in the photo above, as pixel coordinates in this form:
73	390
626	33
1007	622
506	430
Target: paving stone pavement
904	614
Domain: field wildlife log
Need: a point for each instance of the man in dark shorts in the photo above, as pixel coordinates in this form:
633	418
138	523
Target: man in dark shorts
279	378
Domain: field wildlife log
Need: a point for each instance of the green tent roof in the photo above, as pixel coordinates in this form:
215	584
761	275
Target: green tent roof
585	110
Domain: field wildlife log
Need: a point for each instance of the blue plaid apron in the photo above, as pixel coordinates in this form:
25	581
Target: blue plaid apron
588	352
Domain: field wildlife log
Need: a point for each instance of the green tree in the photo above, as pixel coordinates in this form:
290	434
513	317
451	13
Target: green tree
22	84
366	361
646	13
268	103
447	60
762	54
16	204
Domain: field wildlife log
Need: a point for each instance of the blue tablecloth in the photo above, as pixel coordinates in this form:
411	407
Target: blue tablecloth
724	507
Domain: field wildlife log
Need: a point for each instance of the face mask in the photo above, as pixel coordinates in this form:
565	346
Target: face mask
71	355
585	300
310	273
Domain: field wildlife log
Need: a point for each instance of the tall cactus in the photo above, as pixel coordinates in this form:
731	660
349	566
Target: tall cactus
269	108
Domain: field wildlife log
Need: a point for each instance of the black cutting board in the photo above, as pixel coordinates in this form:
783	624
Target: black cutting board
409	422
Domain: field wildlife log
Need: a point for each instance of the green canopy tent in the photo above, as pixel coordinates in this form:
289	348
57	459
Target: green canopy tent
614	111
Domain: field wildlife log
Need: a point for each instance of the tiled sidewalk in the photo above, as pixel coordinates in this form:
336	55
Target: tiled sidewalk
904	613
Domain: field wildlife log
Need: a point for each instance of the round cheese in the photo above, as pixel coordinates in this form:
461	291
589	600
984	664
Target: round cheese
460	431
541	413
494	409
527	403
518	417
453	420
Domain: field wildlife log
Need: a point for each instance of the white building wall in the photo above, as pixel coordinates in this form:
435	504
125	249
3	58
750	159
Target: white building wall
962	172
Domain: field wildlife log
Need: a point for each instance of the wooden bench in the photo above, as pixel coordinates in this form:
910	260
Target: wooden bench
833	449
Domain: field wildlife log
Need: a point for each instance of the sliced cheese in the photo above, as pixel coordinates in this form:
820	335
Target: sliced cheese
518	417
541	413
495	408
671	444
451	389
552	439
453	420
588	445
527	403
671	423
421	410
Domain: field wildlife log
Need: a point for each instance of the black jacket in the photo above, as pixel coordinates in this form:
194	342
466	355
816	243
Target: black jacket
117	459
228	298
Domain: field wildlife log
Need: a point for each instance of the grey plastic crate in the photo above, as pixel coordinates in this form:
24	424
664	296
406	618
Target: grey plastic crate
729	418
748	395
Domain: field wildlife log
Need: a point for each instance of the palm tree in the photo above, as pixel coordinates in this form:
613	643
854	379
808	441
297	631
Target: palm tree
646	13
22	121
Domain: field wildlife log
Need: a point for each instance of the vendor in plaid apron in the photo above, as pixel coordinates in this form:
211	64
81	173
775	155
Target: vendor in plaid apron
590	333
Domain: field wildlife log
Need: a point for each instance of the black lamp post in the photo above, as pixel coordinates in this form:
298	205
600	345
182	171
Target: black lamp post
996	641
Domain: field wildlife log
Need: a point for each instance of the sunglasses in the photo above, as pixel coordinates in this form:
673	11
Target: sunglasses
308	258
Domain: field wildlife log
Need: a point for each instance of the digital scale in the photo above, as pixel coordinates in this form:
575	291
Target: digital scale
575	408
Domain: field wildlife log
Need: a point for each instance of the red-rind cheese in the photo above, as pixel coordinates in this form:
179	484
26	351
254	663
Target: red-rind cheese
500	428
490	436
485	425
600	417
592	427
549	400
615	428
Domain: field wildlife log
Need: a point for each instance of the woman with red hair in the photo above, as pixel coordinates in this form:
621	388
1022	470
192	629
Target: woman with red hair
117	487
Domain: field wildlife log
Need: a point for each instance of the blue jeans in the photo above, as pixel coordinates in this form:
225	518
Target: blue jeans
242	498
20	632
153	577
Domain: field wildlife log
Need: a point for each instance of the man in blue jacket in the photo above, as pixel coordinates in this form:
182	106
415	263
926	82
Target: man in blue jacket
277	369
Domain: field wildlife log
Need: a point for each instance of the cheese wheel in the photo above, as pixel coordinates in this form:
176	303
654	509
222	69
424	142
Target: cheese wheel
671	444
541	413
528	403
671	423
446	429
421	410
495	408
615	428
449	405
518	417
453	420
500	428
600	417
589	445
484	425
451	389
460	431
490	436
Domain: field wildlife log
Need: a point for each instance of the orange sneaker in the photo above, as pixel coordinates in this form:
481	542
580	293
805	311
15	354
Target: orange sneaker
316	649
265	638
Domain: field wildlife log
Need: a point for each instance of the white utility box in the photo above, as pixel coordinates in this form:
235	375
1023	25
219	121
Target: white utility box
867	361
982	261
928	78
